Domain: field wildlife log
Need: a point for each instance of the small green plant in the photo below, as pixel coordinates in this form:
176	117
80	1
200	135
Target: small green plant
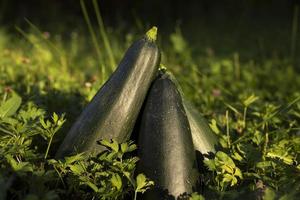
255	117
50	128
108	175
227	173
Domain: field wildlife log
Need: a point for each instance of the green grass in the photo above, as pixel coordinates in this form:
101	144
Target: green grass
253	107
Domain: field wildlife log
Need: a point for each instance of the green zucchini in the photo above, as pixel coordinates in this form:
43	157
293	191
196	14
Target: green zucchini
166	149
113	111
204	139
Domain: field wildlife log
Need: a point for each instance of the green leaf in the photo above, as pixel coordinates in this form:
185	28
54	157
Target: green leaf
10	107
141	181
226	168
232	108
264	164
131	147
196	196
225	159
210	164
142	184
77	169
116	181
55	117
227	178
124	147
19	166
113	145
214	127
237	156
251	99
257	138
249	174
72	159
92	186
238	173
46	124
269	194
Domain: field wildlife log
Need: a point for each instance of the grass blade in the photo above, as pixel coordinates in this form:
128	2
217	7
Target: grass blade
104	37
91	30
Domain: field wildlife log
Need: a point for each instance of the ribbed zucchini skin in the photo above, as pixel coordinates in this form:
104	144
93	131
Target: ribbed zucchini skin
165	144
113	110
204	139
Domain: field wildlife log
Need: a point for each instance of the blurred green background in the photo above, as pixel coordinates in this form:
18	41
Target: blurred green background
252	27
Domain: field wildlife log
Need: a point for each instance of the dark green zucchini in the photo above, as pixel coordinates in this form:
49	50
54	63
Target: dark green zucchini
204	139
166	149
113	110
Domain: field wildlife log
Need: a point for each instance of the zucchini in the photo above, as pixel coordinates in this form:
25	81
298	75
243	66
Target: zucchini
112	112
166	149
204	139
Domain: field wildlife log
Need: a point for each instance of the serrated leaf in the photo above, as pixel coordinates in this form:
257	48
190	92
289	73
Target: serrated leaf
131	147
72	159
227	178
54	117
210	164
10	107
142	184
237	156
214	127
251	99
116	181
227	169
44	124
224	158
13	163
238	173
19	166
77	169
113	145
92	186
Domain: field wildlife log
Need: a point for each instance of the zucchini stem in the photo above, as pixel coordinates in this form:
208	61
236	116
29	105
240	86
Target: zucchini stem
162	68
152	34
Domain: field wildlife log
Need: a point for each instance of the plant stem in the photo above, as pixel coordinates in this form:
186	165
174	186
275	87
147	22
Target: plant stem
227	129
48	147
60	177
266	143
4	97
244	117
135	195
152	34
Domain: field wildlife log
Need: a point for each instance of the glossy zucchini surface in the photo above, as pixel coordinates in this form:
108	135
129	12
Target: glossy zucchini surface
165	144
112	112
